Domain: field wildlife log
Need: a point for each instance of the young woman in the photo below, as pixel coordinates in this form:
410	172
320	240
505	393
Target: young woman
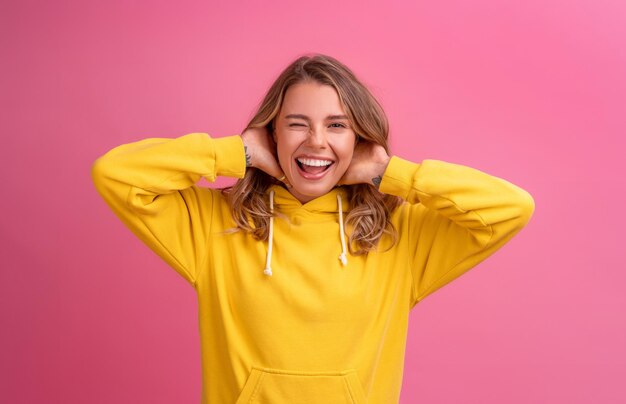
306	269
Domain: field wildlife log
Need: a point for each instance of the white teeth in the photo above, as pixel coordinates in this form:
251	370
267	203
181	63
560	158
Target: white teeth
314	162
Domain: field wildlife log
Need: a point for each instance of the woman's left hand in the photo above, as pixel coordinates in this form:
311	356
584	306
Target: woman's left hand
368	165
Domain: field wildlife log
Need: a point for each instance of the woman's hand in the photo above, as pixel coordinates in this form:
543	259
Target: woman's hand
260	151
368	164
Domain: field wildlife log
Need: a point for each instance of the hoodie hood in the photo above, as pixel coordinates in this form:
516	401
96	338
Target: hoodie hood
335	202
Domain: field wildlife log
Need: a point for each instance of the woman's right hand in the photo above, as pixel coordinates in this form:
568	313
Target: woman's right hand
260	151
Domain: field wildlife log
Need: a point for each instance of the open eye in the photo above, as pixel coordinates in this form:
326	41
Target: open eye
340	125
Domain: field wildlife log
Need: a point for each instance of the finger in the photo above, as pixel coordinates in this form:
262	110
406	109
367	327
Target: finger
342	181
284	180
282	177
273	169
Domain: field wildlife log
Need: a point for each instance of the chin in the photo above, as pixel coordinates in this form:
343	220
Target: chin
313	191
308	192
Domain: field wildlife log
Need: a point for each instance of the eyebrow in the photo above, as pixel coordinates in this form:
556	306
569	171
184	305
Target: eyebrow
306	118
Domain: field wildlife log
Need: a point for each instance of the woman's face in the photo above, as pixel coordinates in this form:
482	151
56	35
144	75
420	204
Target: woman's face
314	139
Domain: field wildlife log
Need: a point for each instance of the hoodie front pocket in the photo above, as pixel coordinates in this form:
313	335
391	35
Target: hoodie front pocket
275	386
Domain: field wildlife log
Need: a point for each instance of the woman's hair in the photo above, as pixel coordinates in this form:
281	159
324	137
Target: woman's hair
369	216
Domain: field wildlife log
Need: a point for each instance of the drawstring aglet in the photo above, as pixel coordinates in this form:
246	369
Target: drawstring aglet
268	271
343	259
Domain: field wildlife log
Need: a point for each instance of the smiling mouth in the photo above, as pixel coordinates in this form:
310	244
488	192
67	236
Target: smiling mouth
314	167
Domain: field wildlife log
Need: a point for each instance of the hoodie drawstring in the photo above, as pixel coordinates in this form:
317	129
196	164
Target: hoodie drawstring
268	269
342	257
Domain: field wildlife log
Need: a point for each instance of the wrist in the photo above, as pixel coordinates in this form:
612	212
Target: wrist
247	152
248	156
379	171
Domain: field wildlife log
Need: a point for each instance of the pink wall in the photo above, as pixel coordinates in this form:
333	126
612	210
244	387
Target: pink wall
534	92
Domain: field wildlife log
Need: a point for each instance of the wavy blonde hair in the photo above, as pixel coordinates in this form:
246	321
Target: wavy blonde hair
369	216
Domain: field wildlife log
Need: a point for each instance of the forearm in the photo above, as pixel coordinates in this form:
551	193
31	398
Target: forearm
470	198
161	165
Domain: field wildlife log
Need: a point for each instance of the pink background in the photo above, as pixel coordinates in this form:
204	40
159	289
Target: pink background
533	92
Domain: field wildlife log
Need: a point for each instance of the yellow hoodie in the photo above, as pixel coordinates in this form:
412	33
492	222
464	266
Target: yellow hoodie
316	330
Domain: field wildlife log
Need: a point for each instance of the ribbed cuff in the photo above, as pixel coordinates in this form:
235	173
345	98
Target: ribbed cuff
230	157
398	177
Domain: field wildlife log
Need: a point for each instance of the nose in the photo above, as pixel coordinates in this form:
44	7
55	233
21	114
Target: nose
316	138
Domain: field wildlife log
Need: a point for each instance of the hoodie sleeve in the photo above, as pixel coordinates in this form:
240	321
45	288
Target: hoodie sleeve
457	217
150	186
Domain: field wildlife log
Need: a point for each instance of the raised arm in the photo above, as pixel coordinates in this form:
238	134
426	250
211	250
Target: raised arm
458	216
150	186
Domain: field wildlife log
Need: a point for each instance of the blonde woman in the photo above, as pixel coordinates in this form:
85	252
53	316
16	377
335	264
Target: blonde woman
307	268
